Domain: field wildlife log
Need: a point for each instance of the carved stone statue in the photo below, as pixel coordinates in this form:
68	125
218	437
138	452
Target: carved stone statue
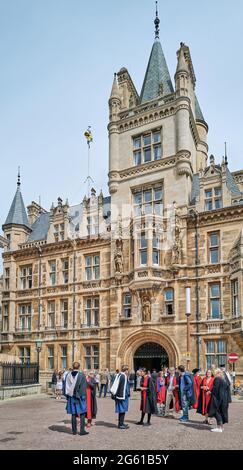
176	249
146	308
118	258
176	253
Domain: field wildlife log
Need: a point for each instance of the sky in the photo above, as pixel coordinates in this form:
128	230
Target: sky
57	60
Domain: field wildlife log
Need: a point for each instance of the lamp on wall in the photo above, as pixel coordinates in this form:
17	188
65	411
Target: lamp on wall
38	345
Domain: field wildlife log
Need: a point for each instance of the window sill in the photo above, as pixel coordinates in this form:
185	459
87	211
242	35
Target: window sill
23	330
209	265
89	327
215	319
167	317
139	165
122	318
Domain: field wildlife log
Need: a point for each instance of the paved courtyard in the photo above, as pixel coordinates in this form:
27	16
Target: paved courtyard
41	422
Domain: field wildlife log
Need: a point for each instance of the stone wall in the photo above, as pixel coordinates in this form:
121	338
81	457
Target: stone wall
19	391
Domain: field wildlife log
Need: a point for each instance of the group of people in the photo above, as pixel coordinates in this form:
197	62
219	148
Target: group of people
102	379
177	390
172	390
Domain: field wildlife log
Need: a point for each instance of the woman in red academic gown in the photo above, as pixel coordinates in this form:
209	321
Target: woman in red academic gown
91	398
148	397
197	386
161	393
205	395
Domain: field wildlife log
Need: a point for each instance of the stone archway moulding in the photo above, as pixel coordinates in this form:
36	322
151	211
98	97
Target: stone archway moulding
130	344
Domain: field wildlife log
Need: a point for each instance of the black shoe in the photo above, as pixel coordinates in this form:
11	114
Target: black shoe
140	423
74	433
83	433
147	424
123	426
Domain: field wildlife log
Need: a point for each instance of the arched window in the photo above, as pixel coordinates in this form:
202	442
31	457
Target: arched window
169	301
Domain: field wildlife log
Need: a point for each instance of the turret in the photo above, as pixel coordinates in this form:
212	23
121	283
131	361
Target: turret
182	79
182	74
114	101
128	92
202	128
16	227
114	107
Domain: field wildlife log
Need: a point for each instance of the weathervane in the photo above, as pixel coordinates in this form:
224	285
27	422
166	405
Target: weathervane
156	22
18	181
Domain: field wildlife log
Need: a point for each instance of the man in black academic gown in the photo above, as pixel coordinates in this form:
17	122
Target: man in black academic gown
219	404
228	381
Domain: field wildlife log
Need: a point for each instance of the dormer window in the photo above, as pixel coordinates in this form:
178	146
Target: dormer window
147	147
213	198
59	232
92	225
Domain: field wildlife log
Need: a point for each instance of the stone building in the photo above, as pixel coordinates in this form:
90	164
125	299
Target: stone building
103	282
1	293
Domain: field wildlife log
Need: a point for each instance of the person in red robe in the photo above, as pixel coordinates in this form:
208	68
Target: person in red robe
197	386
161	393
91	399
148	398
205	395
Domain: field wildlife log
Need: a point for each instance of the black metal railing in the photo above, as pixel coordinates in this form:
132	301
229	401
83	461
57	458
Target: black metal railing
18	374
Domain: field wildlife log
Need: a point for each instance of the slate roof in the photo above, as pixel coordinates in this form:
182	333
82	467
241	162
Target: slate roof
17	213
157	74
40	228
232	184
198	111
195	189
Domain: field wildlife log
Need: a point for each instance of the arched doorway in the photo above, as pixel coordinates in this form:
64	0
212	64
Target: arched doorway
150	355
129	345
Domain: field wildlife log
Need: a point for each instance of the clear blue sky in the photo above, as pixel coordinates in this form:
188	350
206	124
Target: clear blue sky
57	63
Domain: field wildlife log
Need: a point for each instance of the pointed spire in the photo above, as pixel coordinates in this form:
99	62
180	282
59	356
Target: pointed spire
157	79
115	89
17	213
156	22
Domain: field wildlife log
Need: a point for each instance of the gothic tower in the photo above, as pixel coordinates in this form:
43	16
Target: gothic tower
159	135
16	227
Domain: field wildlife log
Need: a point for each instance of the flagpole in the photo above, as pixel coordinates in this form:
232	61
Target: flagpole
88	169
89	138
